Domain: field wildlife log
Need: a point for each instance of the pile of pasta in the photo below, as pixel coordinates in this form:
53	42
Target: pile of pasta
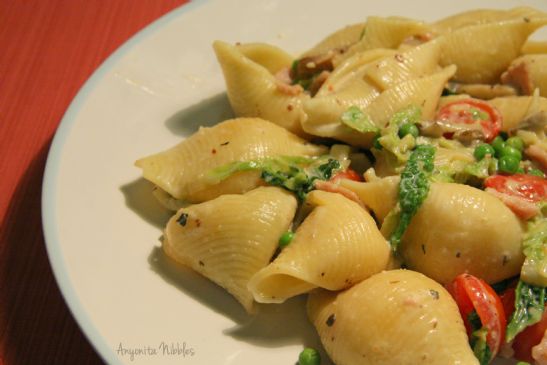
304	192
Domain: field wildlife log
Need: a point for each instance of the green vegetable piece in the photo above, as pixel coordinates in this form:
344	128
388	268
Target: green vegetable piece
413	188
359	121
510	151
515	142
480	347
536	172
498	144
285	239
508	164
410	114
482	150
523	363
477	114
529	305
376	142
409	128
294	173
309	356
534	246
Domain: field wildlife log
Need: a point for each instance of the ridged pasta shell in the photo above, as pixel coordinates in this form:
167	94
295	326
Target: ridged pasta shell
182	170
379	195
252	88
461	229
230	238
424	92
413	63
483	16
336	246
515	109
474	49
385	32
397	317
338	40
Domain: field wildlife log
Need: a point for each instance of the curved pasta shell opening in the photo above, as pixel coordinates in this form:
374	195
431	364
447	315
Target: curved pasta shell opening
336	246
230	248
253	90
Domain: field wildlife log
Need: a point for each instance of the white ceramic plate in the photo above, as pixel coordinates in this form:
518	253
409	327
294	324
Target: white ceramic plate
100	221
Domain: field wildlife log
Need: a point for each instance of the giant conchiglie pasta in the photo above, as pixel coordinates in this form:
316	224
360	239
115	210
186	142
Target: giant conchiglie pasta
473	232
336	246
394	317
182	171
528	73
338	41
470	48
385	32
230	238
515	109
252	87
483	16
424	91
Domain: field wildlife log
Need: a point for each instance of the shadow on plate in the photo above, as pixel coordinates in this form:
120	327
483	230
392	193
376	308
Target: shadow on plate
195	285
206	113
274	325
139	198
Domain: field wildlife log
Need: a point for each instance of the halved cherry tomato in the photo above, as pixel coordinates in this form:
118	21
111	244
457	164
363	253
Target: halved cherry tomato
528	187
529	338
472	293
470	111
347	174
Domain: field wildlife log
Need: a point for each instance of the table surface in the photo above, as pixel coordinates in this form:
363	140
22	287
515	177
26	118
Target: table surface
49	49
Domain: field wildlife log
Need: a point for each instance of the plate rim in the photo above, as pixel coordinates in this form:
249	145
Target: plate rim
51	172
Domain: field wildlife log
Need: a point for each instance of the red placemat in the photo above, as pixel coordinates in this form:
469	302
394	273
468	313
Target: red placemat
49	48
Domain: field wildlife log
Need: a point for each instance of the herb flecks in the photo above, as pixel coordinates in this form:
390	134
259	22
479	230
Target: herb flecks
182	219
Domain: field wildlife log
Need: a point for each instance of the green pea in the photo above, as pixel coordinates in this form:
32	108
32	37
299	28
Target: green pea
285	239
508	164
482	150
536	172
498	143
309	356
515	142
510	151
408	128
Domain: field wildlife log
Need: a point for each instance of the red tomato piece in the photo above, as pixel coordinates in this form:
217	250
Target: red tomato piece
529	338
528	187
347	174
472	293
470	111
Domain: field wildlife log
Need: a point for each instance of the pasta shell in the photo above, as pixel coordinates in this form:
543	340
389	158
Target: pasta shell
514	109
336	246
230	238
338	40
182	170
473	232
252	88
424	92
394	317
528	73
483	16
473	49
388	32
414	63
379	195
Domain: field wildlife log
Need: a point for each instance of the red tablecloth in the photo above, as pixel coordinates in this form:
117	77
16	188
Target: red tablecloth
48	48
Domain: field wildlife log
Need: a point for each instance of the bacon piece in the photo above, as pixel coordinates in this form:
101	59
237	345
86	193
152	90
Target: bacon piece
537	154
307	67
539	352
518	76
522	208
335	188
318	82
